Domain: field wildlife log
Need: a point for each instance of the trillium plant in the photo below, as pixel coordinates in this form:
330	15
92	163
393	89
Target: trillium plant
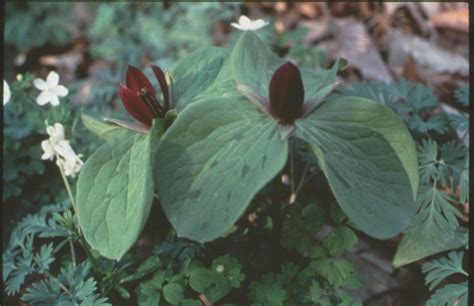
221	128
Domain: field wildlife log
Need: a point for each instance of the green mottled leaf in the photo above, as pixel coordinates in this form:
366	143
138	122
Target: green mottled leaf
253	65
193	75
369	159
215	157
115	192
100	128
200	279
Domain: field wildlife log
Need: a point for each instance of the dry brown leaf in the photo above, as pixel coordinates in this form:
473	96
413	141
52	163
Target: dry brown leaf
308	9
354	44
457	20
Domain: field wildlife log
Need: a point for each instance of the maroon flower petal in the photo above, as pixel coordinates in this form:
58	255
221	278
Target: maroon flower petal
135	106
286	93
160	75
136	80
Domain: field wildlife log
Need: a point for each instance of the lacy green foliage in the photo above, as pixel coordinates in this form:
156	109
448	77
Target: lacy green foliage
444	164
20	258
30	25
73	286
313	285
177	249
180	284
412	101
452	294
437	271
300	225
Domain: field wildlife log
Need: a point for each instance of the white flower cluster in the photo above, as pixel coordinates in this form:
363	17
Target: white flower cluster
245	24
57	146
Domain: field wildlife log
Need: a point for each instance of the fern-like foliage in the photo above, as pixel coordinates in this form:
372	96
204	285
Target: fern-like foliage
412	101
452	294
439	269
441	163
20	258
73	286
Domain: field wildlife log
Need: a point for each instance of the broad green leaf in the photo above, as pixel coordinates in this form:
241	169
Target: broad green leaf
369	160
215	157
253	64
193	75
200	279
100	128
115	192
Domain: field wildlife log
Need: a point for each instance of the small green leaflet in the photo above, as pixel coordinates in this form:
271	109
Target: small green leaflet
369	159
115	192
214	158
194	74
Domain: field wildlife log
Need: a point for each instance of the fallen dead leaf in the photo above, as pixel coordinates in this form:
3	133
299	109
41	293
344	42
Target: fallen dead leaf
354	44
457	20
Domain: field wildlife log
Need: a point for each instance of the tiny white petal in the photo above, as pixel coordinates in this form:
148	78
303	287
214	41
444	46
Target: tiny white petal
6	92
54	100
244	20
52	79
40	84
43	98
237	26
47	149
60	90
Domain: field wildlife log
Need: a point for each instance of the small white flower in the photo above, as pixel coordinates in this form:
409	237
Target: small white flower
220	269
6	92
51	89
55	132
57	146
246	24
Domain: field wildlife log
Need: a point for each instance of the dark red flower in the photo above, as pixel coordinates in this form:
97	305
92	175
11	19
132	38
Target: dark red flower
286	93
139	97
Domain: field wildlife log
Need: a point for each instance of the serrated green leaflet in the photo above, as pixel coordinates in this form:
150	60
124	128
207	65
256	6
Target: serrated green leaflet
214	158
115	192
100	128
195	74
369	159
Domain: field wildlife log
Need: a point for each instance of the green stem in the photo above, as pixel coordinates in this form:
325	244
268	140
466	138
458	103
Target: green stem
73	253
68	188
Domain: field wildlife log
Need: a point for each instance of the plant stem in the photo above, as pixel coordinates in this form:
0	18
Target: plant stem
277	221
68	188
73	253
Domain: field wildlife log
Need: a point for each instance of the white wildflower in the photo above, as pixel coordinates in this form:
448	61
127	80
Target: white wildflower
6	92
51	90
57	146
246	24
